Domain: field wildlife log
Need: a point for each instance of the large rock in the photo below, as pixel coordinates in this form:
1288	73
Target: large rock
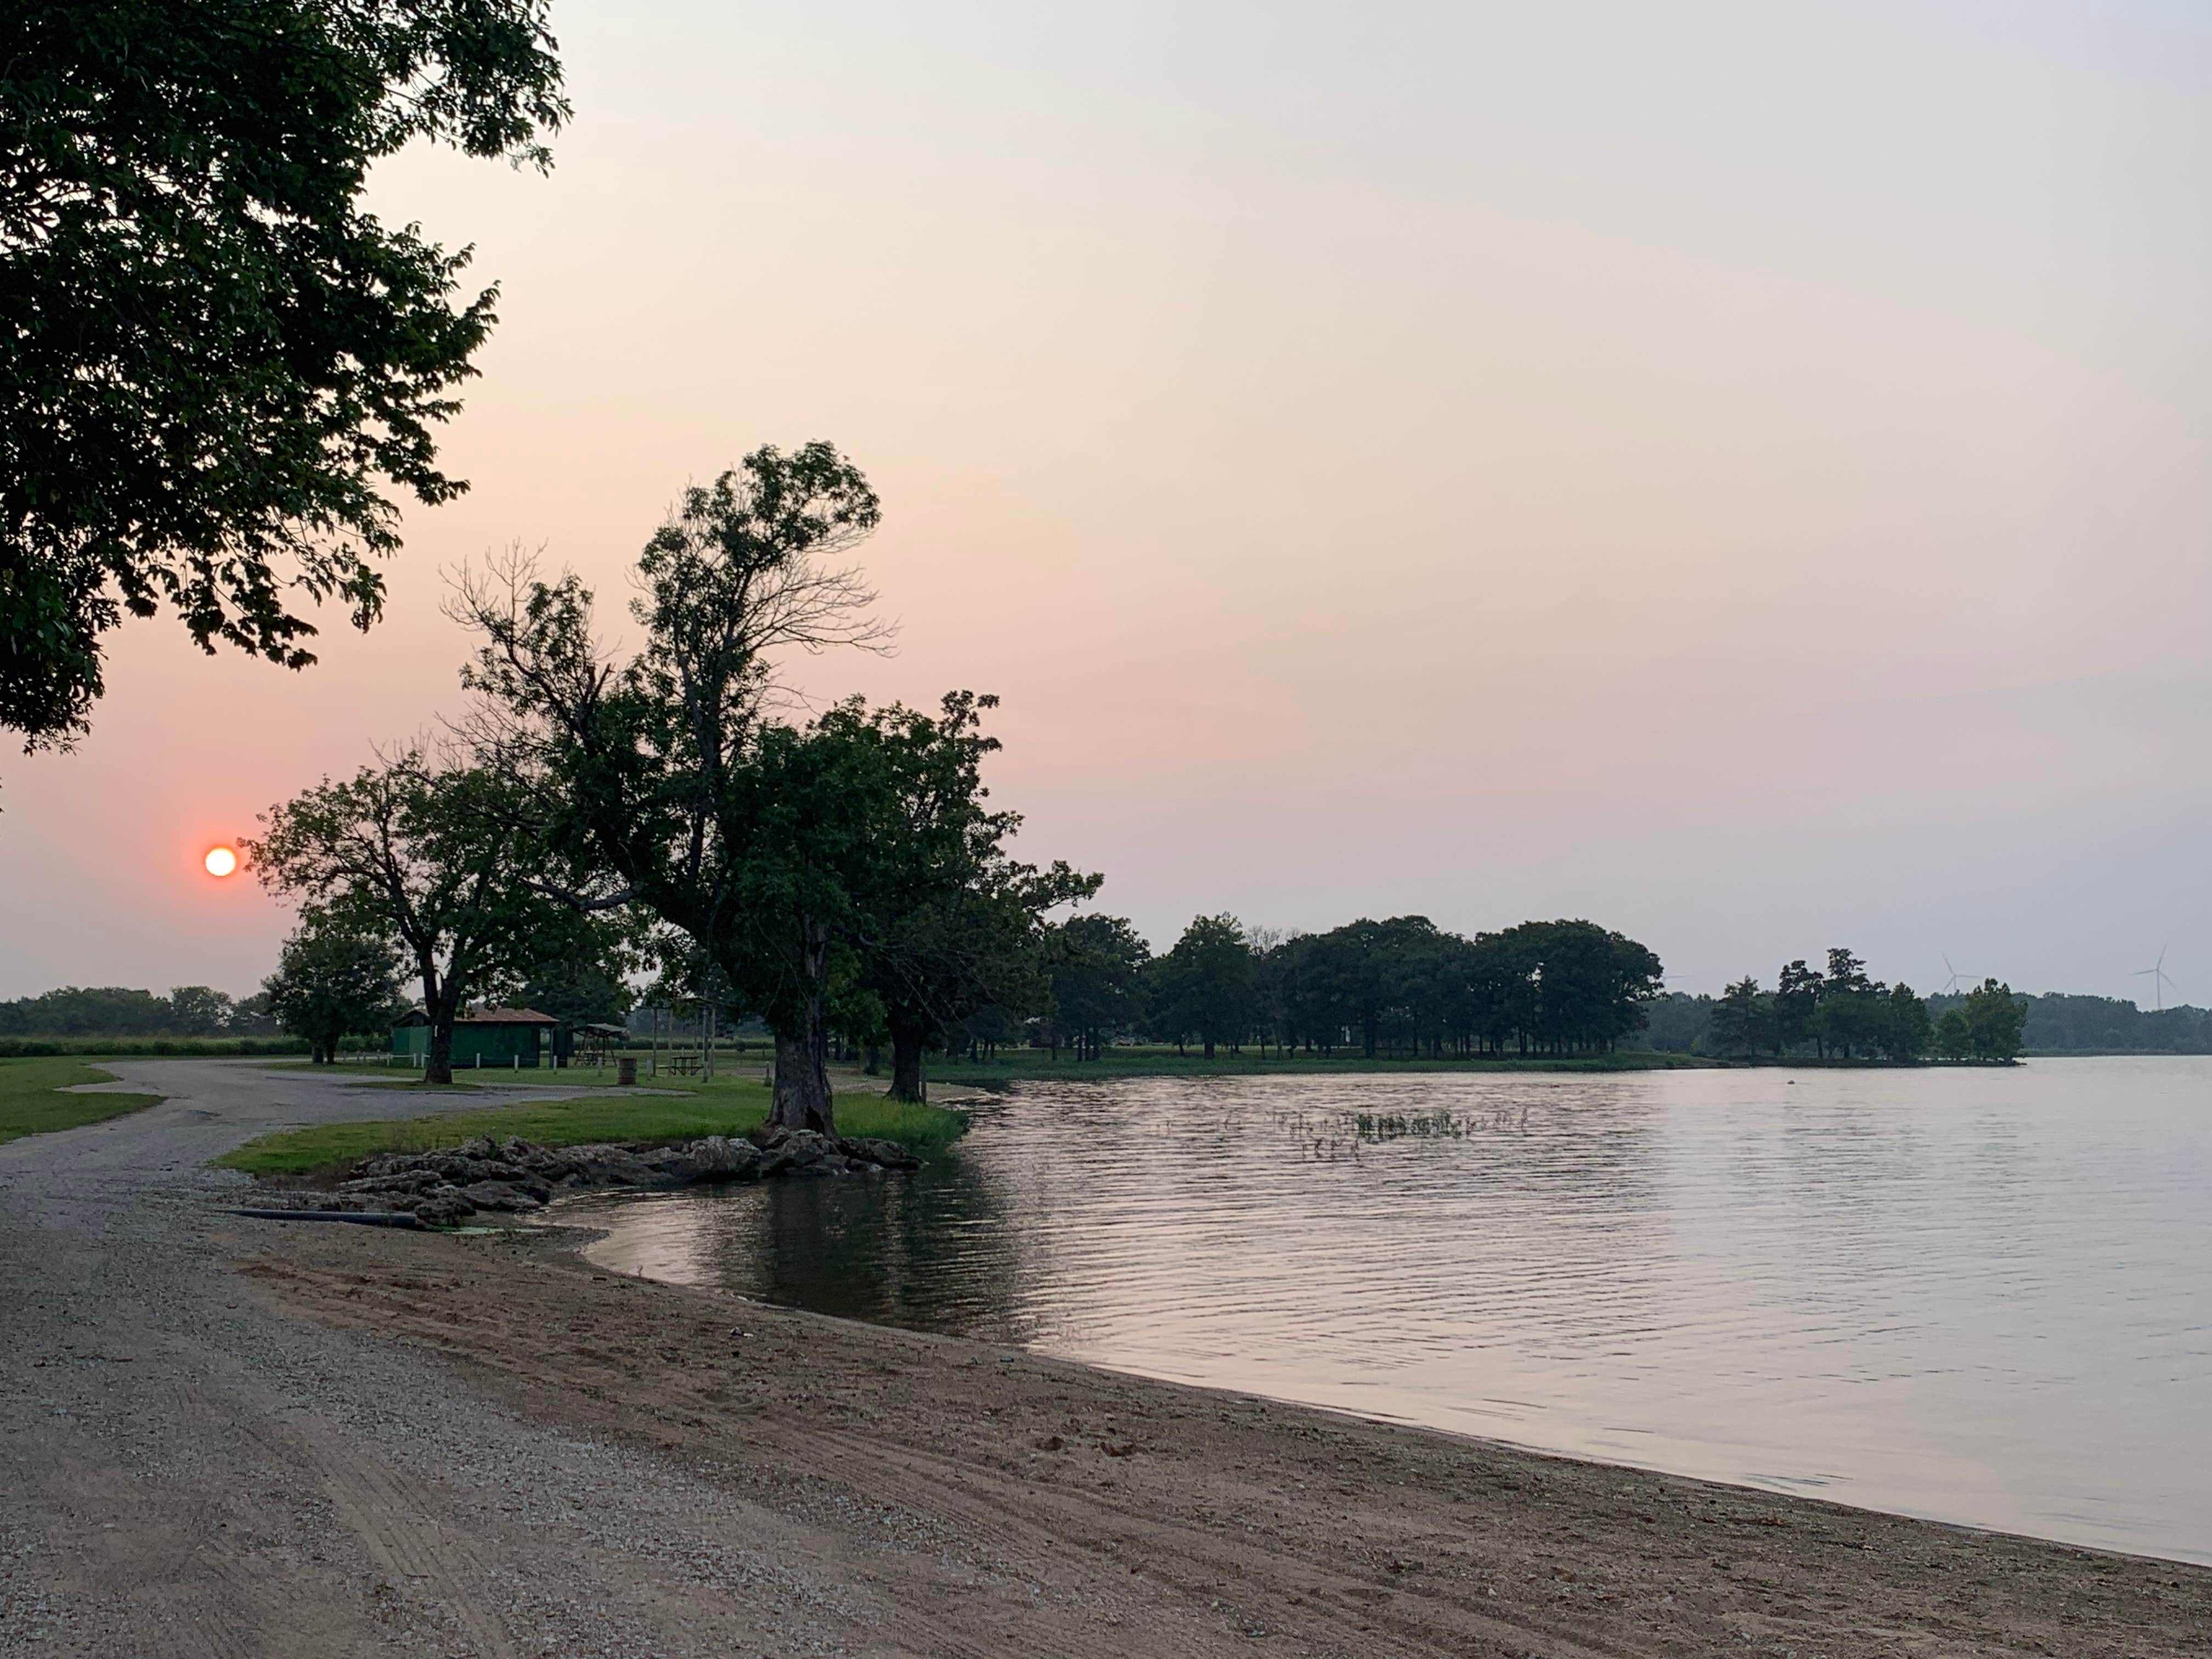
500	1195
718	1158
392	1164
884	1154
449	1183
800	1152
605	1165
396	1182
443	1208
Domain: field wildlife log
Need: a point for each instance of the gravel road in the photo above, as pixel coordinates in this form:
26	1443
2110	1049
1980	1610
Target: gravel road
185	1470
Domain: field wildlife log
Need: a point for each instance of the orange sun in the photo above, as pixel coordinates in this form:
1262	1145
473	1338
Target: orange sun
221	860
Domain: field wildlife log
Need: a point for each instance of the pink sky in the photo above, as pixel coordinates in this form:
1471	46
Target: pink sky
1735	472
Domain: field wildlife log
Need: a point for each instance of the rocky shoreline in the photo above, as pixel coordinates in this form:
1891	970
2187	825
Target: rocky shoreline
445	1187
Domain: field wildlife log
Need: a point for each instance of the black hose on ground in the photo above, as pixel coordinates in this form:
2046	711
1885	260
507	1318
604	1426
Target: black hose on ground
359	1217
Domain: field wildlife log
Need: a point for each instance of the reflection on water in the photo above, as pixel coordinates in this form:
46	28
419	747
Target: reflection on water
1979	1296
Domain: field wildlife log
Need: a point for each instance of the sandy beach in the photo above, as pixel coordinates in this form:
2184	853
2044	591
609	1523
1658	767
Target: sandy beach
972	1500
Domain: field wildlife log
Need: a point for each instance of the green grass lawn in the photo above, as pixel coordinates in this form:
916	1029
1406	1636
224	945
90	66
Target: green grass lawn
31	1102
1015	1064
725	1107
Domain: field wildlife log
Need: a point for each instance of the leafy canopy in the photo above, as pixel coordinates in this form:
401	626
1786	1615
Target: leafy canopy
216	364
434	856
331	983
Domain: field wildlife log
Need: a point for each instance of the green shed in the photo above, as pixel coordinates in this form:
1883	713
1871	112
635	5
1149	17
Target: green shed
505	1037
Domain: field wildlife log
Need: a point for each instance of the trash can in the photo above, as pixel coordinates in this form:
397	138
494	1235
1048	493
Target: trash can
625	1069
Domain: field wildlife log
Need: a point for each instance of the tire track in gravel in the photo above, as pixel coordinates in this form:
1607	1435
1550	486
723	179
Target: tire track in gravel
394	1518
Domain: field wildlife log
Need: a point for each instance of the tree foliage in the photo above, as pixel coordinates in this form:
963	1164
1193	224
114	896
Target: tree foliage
217	364
1097	972
116	1010
837	873
1205	990
954	925
658	776
1843	1013
331	983
1994	1020
1404	985
1743	1019
430	855
585	986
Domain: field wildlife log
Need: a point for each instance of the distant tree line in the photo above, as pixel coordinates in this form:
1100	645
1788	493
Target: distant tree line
1400	988
189	1011
2059	1024
1839	1012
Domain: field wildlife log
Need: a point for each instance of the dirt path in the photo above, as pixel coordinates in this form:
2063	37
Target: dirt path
224	1438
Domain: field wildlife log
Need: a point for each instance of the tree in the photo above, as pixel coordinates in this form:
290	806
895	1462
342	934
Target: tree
584	984
1740	1017
1098	974
1994	1020
1682	1023
947	923
331	983
1846	972
1953	1040
1594	983
199	1011
216	363
1561	986
1355	975
1205	987
658	778
1905	1031
1848	1022
253	1016
1796	997
425	854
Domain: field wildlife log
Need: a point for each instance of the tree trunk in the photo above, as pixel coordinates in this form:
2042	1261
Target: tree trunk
802	1086
440	1004
801	1100
906	1080
439	1066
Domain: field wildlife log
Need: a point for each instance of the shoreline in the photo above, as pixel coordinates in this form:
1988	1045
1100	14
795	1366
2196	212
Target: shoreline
1169	1517
578	1237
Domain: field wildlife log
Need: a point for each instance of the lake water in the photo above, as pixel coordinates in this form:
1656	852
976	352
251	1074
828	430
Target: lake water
1982	1296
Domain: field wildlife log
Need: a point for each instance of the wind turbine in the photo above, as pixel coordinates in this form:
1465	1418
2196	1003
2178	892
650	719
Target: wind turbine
2159	979
1952	983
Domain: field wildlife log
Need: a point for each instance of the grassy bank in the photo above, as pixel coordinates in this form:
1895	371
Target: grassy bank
1017	1065
720	1108
31	1102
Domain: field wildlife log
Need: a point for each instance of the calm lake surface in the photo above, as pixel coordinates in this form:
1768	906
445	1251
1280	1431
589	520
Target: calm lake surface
1977	1296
